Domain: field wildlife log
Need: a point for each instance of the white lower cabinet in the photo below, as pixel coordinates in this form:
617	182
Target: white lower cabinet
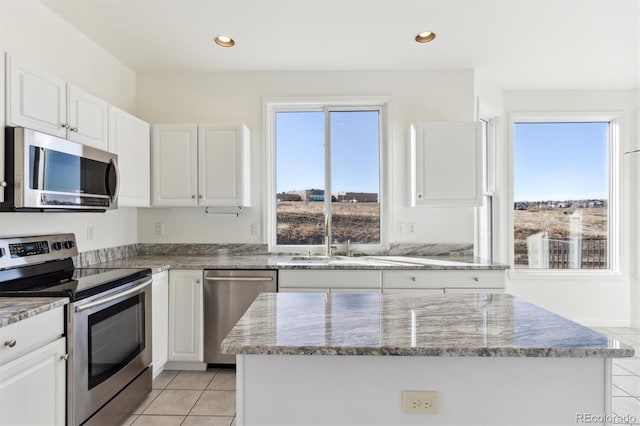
185	316
334	280
444	281
33	371
160	326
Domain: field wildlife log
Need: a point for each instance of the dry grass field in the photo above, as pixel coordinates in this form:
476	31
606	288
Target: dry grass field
557	223
302	222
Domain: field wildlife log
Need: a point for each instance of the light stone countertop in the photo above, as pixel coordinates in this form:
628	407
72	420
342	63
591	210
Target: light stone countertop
14	309
158	263
479	325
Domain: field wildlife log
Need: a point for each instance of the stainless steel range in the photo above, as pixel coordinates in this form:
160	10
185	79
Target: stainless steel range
108	323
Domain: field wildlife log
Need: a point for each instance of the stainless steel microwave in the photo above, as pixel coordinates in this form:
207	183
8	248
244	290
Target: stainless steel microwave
47	173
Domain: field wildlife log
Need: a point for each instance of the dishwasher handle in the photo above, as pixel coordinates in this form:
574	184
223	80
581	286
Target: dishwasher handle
238	278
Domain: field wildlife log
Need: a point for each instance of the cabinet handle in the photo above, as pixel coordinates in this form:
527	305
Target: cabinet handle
419	196
11	343
64	125
199	196
73	129
413	279
3	184
193	196
64	357
476	279
197	281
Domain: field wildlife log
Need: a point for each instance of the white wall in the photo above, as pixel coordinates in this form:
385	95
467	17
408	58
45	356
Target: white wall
238	97
32	32
593	300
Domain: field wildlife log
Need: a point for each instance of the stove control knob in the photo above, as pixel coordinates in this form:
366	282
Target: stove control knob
57	245
68	244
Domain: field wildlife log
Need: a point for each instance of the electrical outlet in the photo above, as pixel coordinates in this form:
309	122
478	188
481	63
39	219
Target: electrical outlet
90	232
159	228
412	228
420	402
254	229
401	228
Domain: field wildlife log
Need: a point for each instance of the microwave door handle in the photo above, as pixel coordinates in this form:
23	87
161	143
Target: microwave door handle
113	192
39	157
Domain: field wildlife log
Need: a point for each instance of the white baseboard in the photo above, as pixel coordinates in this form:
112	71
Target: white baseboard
182	365
604	323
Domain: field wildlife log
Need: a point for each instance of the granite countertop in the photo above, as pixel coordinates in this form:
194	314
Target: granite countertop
163	262
498	325
14	309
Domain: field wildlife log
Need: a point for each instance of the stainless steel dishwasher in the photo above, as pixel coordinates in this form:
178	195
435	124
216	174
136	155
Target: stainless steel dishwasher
228	293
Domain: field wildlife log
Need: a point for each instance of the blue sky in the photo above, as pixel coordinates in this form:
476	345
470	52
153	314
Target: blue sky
354	151
560	161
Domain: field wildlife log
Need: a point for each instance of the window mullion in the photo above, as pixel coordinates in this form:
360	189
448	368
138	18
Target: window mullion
327	174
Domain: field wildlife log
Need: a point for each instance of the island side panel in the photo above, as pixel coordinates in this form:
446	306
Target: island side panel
367	390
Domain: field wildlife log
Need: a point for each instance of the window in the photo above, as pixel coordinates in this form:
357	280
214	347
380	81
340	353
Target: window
485	214
564	194
326	177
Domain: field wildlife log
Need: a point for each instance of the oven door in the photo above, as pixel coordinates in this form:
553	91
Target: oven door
110	344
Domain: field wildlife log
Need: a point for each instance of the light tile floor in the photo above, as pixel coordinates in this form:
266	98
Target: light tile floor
194	398
189	398
626	375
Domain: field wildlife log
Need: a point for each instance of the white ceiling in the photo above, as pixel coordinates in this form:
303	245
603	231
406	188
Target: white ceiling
520	44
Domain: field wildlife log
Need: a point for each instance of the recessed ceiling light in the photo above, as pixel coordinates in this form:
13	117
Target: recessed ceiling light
224	41
425	37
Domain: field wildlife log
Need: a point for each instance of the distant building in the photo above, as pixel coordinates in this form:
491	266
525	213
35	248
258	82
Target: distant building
356	197
307	195
288	196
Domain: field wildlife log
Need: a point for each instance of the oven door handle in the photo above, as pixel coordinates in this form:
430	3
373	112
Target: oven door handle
112	297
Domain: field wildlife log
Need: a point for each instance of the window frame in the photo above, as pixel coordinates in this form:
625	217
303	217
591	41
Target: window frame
492	118
614	118
274	105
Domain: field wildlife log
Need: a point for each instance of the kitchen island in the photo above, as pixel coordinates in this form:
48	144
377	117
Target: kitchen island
338	359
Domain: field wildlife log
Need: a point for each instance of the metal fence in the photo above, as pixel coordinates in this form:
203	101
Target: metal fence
592	253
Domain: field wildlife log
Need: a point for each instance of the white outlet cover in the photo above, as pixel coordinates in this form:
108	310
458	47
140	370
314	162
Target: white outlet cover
424	402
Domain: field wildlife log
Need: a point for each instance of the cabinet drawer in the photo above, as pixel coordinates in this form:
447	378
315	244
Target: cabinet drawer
330	278
473	290
31	333
443	279
414	291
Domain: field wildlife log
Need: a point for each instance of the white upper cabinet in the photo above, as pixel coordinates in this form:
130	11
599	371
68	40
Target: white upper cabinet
88	119
174	165
129	138
446	164
43	102
200	165
223	159
35	99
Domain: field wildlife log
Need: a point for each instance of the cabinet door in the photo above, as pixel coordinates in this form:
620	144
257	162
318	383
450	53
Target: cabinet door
88	119
35	99
174	153
32	387
129	137
446	164
160	330
185	316
223	161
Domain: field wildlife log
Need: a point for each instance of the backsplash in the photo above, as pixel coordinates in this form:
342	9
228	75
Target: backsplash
93	257
147	249
409	249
